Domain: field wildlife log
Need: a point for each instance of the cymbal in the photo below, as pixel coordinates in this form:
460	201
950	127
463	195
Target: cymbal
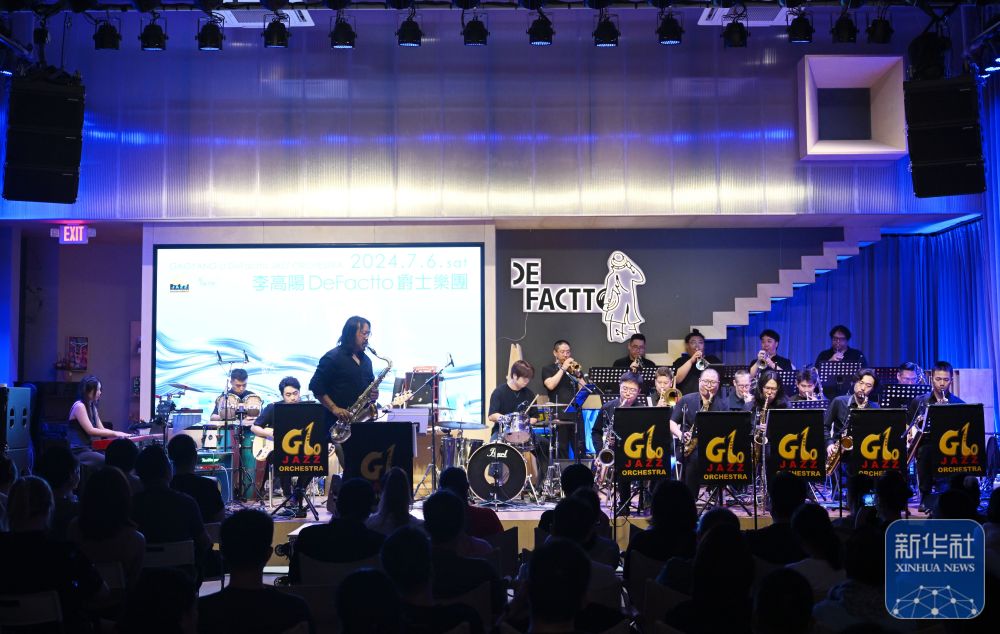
553	423
440	408
457	424
186	388
549	405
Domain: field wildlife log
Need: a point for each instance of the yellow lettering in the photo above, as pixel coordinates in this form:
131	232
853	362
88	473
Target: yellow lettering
948	444
784	448
632	448
713	450
869	447
290	443
788	452
372	467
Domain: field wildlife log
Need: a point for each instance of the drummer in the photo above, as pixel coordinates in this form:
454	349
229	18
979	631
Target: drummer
514	396
238	388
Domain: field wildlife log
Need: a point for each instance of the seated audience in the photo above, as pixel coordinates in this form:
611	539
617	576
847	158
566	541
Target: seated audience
816	537
857	486
558	578
860	598
678	572
480	521
956	504
891	496
183	453
163	601
598	548
59	467
776	543
8	474
671	531
122	453
394	506
782	604
367	603
406	559
104	530
245	540
992	529
163	515
344	538
719	602
573	519
33	561
574	477
455	575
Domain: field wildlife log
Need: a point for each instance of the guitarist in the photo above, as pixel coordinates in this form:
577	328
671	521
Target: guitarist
263	427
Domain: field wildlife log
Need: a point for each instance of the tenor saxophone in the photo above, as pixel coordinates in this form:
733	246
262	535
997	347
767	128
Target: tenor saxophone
363	407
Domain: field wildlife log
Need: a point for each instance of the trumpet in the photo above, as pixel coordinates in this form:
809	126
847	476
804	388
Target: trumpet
701	364
762	361
574	368
669	397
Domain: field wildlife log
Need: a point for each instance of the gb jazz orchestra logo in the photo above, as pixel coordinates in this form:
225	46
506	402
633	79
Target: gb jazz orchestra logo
643	457
956	449
301	452
794	456
876	454
723	462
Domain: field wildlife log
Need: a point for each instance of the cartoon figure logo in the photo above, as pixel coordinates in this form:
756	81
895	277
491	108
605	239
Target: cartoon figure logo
621	306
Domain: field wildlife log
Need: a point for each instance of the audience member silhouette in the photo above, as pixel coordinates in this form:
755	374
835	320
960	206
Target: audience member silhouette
163	601
8	474
573	477
394	505
122	453
678	572
776	543
816	537
558	578
671	532
480	521
860	598
183	453
367	603
597	547
782	604
60	468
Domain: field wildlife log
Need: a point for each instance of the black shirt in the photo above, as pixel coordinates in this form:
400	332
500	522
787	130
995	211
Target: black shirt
455	576
690	382
734	403
565	390
692	403
836	415
504	400
434	619
606	414
915	404
340	377
340	541
626	361
850	354
239	398
205	492
251	611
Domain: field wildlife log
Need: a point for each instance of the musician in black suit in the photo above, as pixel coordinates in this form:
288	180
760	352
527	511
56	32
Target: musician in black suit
686	372
629	387
636	357
941	379
839	349
684	421
835	420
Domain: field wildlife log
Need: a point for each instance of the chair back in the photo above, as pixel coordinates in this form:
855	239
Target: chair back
640	568
169	555
479	599
22	610
659	599
506	543
322	602
540	536
113	574
314	572
214	530
609	596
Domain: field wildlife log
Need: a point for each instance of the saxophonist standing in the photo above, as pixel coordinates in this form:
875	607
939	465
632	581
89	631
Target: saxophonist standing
684	419
835	420
344	372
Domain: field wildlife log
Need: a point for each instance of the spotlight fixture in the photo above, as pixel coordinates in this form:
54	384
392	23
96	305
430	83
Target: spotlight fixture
669	32
342	34
153	36
409	33
735	35
540	32
106	36
210	35
844	30
606	33
800	30
276	32
880	29
474	32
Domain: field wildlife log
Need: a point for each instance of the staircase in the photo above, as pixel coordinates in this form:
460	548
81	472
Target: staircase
788	281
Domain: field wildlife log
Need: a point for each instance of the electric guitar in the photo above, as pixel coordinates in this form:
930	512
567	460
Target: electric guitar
400	399
262	446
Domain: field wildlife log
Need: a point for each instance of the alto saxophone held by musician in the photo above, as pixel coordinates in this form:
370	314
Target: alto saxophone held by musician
364	407
845	442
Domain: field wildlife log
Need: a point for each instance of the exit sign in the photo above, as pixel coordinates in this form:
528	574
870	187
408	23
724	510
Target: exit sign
73	234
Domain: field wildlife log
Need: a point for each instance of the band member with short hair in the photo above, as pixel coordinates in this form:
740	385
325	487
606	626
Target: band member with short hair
512	396
835	420
629	391
807	386
686	374
839	349
740	397
768	355
663	380
636	357
85	423
562	380
684	422
290	390
909	373
237	387
942	375
344	372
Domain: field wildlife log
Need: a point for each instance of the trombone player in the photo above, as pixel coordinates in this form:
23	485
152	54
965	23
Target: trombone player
562	379
664	393
940	394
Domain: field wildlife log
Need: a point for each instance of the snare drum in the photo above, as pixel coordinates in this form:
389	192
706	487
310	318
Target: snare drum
515	429
455	452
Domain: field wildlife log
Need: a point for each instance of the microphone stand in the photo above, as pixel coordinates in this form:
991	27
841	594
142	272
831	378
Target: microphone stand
433	422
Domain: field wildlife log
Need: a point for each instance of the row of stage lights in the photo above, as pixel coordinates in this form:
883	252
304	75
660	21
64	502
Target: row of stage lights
606	34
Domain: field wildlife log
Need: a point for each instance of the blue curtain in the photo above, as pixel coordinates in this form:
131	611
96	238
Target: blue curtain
905	298
991	227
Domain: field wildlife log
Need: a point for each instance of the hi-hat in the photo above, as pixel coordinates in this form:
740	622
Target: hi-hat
536	405
457	424
186	388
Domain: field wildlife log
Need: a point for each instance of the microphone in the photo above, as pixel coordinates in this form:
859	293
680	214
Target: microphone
219	356
451	361
246	359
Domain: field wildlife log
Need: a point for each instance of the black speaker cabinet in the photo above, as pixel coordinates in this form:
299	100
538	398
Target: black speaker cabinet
944	137
44	141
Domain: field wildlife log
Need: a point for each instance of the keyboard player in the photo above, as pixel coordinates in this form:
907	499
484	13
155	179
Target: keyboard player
85	426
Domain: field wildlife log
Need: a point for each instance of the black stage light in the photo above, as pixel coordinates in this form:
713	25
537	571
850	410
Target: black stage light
735	35
670	31
210	35
845	31
409	33
540	32
106	36
800	29
606	34
879	31
153	37
342	35
474	32
276	33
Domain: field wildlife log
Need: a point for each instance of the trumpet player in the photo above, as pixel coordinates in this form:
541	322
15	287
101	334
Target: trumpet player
663	387
684	422
839	349
768	357
807	385
941	380
636	357
835	421
689	366
562	379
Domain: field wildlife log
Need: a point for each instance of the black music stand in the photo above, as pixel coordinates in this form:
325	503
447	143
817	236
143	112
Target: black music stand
628	422
787	380
728	372
303	419
742	423
835	377
576	407
606	379
898	395
817	404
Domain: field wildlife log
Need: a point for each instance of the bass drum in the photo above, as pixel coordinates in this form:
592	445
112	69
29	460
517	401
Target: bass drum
497	472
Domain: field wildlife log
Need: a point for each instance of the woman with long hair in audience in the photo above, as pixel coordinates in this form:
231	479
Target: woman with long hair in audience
823	567
672	526
85	423
394	505
104	530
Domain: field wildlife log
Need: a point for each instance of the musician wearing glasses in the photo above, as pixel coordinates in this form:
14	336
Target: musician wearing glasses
344	372
290	390
942	375
807	385
909	373
686	367
839	349
628	396
636	357
562	380
684	422
740	396
835	420
768	357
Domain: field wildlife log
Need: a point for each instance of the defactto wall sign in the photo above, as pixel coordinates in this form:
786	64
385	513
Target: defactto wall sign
616	299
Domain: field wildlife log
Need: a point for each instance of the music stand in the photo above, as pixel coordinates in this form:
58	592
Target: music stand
727	372
834	374
817	404
898	395
787	380
741	423
576	407
606	379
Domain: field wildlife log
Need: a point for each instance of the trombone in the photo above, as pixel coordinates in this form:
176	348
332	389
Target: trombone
669	397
